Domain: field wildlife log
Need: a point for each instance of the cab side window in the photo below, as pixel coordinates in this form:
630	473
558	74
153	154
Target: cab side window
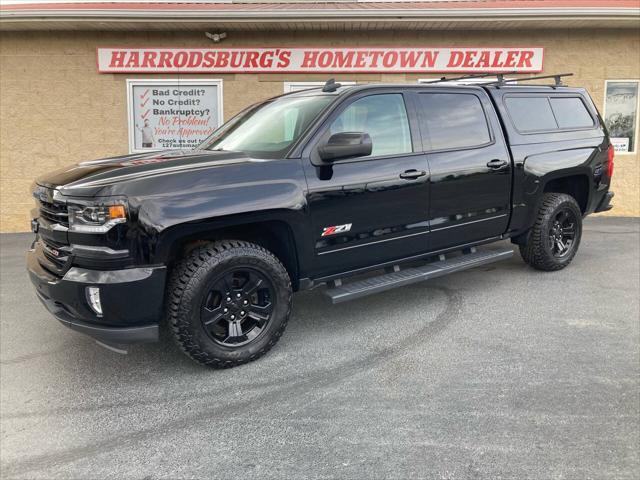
383	117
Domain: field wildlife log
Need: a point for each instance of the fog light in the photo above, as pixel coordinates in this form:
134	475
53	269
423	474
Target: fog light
93	297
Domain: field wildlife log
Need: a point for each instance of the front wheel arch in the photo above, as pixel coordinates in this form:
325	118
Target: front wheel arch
276	236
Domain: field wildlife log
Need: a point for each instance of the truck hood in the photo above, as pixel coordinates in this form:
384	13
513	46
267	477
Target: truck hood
89	177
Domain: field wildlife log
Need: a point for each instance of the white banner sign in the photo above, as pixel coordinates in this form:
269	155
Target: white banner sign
172	114
620	145
314	60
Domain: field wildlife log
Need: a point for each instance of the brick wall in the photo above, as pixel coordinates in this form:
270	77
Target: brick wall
55	109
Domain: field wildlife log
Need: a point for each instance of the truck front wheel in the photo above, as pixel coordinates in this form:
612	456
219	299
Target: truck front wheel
228	303
554	238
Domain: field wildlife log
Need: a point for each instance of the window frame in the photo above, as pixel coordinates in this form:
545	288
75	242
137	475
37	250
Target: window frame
426	134
637	119
548	96
414	132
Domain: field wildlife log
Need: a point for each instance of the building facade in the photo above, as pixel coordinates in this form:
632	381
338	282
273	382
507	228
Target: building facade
84	80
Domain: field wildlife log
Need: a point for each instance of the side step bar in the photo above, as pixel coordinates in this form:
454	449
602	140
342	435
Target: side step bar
397	278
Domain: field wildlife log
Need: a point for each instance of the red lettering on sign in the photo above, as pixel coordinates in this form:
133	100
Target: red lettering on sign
511	59
236	59
134	60
252	59
430	58
209	59
266	60
496	60
375	56
409	59
223	59
468	58
360	60
319	60
195	59
284	59
149	59
325	59
117	59
483	61
455	59
525	59
164	59
389	59
342	59
309	60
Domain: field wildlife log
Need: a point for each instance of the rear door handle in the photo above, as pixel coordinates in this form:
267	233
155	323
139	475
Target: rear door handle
412	174
496	164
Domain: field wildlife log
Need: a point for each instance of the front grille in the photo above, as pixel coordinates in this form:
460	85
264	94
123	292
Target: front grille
55	212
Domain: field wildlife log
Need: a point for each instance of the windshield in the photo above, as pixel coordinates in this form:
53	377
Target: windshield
269	129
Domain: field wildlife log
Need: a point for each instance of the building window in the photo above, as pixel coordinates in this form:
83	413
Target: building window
621	114
297	86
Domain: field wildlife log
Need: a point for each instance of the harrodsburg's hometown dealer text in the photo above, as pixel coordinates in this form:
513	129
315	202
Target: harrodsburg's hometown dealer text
318	60
171	114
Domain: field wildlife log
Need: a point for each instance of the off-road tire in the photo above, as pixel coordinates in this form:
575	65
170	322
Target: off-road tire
188	284
537	251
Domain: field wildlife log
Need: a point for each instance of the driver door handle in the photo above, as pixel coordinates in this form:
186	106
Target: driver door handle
496	164
412	174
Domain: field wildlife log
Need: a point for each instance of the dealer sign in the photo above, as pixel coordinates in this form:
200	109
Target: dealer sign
314	60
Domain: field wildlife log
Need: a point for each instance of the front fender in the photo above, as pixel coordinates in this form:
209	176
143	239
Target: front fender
159	213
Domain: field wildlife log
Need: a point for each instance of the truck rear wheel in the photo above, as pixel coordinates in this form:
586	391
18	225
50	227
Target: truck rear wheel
228	303
555	236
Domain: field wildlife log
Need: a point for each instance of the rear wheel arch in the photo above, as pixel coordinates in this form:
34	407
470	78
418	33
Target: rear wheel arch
576	186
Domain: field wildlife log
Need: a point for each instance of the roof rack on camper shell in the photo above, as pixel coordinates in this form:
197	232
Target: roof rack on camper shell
503	81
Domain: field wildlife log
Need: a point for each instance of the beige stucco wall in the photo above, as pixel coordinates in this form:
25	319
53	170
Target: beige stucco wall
55	109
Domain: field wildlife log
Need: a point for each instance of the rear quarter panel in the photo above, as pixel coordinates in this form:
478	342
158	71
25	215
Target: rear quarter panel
544	156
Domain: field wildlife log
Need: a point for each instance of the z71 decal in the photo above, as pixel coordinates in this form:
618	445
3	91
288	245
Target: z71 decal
336	229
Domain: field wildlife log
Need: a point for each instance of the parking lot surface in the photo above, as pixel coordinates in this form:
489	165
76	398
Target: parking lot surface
501	371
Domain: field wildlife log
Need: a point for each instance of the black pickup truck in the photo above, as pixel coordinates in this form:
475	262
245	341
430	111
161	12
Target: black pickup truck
316	188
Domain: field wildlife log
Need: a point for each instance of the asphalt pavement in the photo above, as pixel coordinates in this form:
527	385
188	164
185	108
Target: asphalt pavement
497	372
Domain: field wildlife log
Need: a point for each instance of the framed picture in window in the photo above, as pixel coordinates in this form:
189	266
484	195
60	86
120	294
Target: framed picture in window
621	114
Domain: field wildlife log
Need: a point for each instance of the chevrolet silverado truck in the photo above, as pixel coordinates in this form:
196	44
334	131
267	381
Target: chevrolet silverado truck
359	189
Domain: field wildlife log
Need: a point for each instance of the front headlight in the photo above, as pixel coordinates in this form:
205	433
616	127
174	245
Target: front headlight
96	218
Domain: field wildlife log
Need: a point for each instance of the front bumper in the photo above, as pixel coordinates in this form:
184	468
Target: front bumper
132	300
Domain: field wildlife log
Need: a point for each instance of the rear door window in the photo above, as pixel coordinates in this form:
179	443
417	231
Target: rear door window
453	120
570	112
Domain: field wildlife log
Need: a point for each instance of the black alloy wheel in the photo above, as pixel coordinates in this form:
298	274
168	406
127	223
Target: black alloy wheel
228	302
553	240
238	307
563	232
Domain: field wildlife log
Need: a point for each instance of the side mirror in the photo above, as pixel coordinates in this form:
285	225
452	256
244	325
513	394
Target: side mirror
346	145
